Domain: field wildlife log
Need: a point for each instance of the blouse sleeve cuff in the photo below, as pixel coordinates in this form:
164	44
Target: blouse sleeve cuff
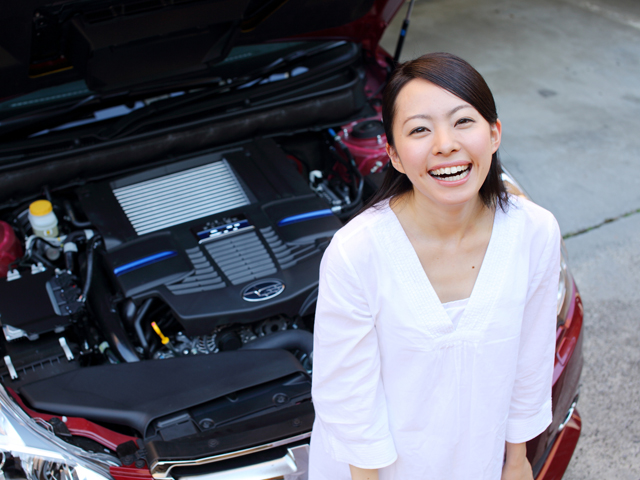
523	430
370	455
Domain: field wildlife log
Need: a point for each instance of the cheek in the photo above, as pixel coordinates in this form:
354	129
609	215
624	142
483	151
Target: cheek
483	152
414	154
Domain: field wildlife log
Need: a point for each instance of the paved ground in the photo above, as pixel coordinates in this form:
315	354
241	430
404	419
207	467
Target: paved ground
566	77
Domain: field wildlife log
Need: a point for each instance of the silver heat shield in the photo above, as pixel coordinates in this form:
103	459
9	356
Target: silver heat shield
176	198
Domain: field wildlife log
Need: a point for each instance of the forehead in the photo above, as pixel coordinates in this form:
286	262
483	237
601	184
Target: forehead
419	96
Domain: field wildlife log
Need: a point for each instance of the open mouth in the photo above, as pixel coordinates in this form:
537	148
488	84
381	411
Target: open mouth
451	174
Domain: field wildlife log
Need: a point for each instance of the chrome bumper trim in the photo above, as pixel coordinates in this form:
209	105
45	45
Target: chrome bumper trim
162	470
569	414
292	465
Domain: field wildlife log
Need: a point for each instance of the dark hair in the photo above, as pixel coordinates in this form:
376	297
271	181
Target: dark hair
458	77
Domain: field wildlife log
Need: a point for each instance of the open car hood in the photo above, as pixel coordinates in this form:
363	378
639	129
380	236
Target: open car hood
117	44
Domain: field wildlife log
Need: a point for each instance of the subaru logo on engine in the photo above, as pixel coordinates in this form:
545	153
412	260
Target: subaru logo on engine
262	290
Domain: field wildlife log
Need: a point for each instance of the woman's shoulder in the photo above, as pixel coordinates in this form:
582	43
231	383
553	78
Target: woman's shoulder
363	224
356	238
537	221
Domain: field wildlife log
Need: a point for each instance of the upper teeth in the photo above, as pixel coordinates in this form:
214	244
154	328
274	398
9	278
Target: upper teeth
449	170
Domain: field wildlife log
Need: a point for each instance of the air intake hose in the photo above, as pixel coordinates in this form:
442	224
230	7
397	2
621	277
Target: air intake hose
287	340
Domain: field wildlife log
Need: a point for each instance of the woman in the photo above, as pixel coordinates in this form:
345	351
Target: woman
436	316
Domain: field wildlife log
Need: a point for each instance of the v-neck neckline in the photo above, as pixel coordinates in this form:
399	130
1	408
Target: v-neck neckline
424	296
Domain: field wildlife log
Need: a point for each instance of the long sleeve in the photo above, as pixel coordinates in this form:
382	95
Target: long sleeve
348	394
530	409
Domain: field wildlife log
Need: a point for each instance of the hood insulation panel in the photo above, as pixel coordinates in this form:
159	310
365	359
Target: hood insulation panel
177	198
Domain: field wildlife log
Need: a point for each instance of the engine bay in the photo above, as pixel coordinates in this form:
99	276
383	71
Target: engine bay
159	271
209	260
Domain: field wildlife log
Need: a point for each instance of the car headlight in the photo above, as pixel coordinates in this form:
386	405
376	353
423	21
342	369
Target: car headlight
564	284
30	450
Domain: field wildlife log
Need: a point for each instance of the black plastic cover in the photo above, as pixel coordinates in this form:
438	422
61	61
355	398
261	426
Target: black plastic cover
38	303
116	44
142	277
135	394
286	254
222	412
265	428
33	361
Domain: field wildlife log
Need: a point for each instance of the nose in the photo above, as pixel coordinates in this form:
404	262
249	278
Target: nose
444	142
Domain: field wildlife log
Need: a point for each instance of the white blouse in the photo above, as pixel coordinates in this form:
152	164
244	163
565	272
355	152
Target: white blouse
455	310
398	387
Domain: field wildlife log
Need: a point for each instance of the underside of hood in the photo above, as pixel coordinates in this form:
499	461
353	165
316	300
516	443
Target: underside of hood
118	44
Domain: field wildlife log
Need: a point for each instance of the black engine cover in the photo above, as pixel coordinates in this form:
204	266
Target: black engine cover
175	397
225	237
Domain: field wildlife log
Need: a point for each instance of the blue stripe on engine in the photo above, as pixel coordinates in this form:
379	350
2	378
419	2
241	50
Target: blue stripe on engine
305	216
143	262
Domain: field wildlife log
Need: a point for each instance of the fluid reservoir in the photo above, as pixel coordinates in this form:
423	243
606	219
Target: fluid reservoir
10	248
42	219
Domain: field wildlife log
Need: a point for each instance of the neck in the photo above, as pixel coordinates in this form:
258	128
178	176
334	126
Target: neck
444	222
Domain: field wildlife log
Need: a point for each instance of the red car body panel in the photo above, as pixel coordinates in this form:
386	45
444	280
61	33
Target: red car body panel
130	473
560	455
559	445
367	30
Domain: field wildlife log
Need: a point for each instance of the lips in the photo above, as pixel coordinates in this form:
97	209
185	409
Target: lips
451	174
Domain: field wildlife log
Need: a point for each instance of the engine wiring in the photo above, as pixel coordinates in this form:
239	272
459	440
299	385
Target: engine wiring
357	178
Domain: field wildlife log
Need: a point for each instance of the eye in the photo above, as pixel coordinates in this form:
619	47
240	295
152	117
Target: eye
418	130
464	120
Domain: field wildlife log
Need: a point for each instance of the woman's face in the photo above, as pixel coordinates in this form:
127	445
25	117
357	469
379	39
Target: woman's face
442	143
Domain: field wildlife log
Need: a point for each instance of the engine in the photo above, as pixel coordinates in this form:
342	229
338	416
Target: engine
225	238
209	253
163	278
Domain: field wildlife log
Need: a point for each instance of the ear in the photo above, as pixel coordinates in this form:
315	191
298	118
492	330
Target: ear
496	135
395	159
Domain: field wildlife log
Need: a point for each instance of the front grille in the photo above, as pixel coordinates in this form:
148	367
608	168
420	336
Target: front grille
177	198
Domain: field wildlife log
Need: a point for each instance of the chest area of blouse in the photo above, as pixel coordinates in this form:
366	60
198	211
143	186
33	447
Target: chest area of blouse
451	265
408	310
452	269
405	319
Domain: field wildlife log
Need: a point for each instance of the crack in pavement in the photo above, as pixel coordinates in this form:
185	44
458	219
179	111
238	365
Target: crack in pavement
623	18
604	222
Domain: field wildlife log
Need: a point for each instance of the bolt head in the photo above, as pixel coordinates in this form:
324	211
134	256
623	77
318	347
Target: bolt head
206	423
280	398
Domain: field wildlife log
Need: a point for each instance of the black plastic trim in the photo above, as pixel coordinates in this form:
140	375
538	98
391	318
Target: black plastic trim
134	394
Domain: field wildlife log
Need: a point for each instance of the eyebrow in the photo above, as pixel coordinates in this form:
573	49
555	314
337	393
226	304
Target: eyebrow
428	117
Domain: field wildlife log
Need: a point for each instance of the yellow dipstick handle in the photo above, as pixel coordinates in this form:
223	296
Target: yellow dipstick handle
164	339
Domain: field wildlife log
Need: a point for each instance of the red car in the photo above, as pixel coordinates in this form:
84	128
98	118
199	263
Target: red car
171	172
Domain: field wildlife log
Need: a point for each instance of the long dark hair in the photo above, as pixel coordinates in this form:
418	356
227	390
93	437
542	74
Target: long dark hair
458	77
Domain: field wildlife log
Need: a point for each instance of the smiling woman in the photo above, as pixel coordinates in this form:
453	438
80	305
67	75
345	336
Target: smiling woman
436	315
466	89
450	145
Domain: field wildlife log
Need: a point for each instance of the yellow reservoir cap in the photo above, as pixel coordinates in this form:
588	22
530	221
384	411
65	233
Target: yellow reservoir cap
40	208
